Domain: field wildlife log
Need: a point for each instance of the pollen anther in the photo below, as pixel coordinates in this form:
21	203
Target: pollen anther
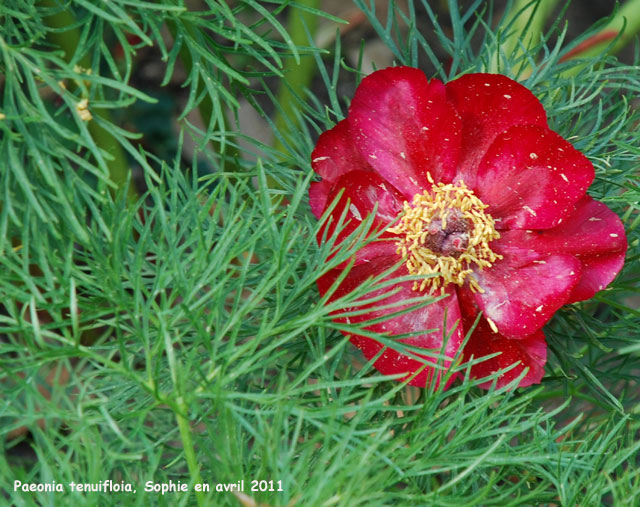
445	232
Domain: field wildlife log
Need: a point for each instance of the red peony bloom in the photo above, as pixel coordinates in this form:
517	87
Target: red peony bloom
482	195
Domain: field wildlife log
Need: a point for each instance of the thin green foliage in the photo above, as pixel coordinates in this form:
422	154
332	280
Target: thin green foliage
181	337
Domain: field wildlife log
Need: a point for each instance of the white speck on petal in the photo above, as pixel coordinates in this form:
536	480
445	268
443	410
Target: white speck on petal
533	156
355	211
539	309
425	128
529	210
507	96
373	156
562	175
613	235
494	328
595	219
404	157
320	159
488	84
539	262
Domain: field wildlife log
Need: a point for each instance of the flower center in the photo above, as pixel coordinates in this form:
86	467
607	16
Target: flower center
445	232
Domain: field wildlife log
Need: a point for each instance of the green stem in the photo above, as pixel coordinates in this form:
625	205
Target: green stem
67	38
189	450
526	22
625	23
119	165
297	75
205	108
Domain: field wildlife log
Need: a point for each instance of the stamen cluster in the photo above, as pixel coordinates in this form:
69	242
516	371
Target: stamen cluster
445	232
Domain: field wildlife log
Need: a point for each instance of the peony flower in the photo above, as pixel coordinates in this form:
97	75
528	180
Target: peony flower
476	191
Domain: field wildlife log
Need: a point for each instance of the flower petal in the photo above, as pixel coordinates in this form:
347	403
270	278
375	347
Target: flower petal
318	194
530	352
359	193
428	318
336	154
591	229
489	104
404	127
531	178
362	192
523	290
593	233
598	271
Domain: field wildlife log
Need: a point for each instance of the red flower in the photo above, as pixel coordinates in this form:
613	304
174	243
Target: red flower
479	190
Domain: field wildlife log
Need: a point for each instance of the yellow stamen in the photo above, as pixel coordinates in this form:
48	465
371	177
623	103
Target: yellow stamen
443	205
83	110
81	70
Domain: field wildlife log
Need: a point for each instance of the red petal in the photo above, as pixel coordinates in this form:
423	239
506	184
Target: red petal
531	178
318	193
361	192
356	277
530	352
592	229
489	104
524	289
598	271
404	127
335	153
593	232
430	317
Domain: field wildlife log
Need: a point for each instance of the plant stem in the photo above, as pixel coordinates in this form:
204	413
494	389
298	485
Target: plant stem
68	39
205	108
627	18
297	75
189	450
526	22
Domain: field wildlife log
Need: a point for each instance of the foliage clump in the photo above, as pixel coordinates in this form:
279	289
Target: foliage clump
166	326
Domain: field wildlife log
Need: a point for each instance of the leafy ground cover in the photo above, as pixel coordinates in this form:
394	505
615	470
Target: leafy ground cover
159	316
